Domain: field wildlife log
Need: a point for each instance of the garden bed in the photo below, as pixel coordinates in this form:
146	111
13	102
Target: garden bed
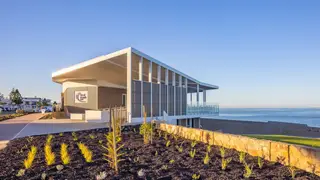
11	116
154	161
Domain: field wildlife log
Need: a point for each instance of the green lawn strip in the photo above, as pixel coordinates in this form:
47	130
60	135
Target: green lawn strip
313	142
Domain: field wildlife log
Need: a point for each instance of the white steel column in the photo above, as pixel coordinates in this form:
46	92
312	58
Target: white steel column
150	80
180	85
190	98
141	79
167	83
159	82
186	86
129	85
197	94
174	92
204	98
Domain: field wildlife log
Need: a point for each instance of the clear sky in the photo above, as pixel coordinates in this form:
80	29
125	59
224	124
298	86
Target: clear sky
260	53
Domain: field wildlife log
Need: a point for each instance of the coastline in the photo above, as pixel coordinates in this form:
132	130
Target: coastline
255	127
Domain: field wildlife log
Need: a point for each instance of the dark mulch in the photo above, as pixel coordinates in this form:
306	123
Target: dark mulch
138	156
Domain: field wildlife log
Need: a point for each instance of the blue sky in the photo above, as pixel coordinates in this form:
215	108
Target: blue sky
260	53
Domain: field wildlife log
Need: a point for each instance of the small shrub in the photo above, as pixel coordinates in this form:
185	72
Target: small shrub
260	162
31	155
248	170
192	153
168	143
179	148
92	136
86	152
293	171
242	156
21	173
193	144
64	154
209	149
225	162
206	159
222	152
49	139
195	176
171	161
49	155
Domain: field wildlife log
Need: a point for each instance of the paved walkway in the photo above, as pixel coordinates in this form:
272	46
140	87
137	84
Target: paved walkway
10	128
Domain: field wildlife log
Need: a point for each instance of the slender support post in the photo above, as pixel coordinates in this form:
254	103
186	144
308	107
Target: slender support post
204	93
198	97
150	81
180	98
129	85
167	83
186	86
141	80
174	92
159	82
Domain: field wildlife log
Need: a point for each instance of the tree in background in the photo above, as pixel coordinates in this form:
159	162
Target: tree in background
42	102
15	96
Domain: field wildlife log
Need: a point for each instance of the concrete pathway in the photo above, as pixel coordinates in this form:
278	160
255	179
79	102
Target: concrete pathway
10	128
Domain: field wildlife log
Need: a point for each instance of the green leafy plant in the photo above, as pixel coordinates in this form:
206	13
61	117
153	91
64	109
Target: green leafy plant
222	151
65	158
195	176
31	155
179	148
86	152
146	130
49	155
171	161
260	162
175	137
61	134
248	170
242	156
168	143
209	149
92	136
100	141
225	162
74	135
21	173
192	153
49	139
113	148
193	144
206	159
293	171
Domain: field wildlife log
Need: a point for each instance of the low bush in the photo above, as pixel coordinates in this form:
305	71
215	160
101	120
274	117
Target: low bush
49	155
31	155
65	158
86	152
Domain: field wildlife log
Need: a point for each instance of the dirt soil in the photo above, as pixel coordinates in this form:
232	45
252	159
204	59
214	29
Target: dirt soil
151	161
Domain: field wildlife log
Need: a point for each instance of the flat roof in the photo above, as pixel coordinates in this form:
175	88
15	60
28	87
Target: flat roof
122	52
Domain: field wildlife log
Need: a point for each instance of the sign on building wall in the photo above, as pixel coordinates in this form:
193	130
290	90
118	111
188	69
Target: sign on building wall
81	96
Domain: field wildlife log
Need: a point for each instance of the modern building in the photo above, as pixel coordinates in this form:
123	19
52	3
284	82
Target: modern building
132	80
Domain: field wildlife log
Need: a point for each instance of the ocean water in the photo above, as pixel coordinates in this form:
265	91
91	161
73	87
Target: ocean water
309	116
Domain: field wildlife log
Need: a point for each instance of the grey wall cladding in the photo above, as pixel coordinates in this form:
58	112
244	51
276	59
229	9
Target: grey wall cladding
72	107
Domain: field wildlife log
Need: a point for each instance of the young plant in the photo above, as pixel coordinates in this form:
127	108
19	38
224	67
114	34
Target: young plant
49	139
209	149
146	129
206	159
61	134
21	173
179	148
31	155
101	175
100	141
156	153
171	161
192	153
242	156
260	162
195	176
159	134
65	158
49	155
74	135
225	162
222	151
165	136
193	144
168	143
30	139
92	136
113	148
293	171
86	152
248	170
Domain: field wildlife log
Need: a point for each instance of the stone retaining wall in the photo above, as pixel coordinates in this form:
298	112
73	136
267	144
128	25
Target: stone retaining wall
303	157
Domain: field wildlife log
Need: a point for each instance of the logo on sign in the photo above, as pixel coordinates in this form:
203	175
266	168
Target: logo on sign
81	96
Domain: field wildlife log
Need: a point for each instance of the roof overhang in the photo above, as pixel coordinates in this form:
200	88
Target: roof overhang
112	68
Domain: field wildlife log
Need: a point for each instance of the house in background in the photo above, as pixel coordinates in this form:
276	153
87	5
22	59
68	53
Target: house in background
132	80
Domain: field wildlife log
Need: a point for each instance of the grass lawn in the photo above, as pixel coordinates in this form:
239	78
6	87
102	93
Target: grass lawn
289	139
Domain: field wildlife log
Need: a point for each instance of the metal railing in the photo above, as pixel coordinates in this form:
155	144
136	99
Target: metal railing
205	109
